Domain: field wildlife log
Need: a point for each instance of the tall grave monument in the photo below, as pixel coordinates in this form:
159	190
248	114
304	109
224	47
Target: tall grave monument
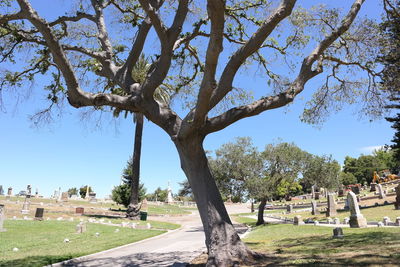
27	202
357	220
331	211
2	216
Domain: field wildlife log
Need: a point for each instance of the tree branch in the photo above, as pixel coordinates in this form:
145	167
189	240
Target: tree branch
251	46
306	73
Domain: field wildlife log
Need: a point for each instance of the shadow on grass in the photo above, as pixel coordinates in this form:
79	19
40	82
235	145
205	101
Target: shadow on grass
34	261
103	216
355	249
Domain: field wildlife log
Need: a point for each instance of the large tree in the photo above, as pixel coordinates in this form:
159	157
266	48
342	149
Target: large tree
258	31
390	57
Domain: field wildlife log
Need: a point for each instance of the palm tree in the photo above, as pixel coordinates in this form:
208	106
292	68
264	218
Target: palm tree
162	94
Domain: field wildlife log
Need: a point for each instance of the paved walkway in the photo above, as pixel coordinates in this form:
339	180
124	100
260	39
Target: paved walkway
176	248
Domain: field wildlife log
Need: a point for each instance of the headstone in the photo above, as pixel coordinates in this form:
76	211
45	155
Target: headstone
397	203
64	196
26	205
316	195
357	220
314	208
289	208
2	216
380	191
28	190
1	190
170	199
81	228
87	192
9	193
397	222
79	210
373	187
338	232
355	189
346	220
92	197
39	214
346	204
386	221
297	220
341	192
59	194
380	224
316	223
331	210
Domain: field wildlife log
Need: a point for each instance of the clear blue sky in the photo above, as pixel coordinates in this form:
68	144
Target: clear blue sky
72	152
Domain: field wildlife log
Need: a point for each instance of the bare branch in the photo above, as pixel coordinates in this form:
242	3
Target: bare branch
11	17
101	26
152	12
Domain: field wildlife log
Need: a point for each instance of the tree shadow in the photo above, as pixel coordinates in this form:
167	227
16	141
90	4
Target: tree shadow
34	261
103	216
355	249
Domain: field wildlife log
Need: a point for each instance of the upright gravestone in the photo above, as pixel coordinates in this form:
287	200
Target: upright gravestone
397	203
29	190
356	190
338	232
9	193
316	195
87	192
39	214
2	216
170	199
1	190
331	211
79	210
64	196
314	208
26	205
357	220
341	192
297	220
92	197
380	191
144	207
289	208
373	187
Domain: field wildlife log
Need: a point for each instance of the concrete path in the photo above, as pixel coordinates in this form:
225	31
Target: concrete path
176	248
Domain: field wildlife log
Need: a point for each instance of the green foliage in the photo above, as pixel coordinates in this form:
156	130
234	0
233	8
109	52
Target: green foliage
288	188
185	192
346	178
121	194
73	191
158	195
364	166
234	164
83	189
322	171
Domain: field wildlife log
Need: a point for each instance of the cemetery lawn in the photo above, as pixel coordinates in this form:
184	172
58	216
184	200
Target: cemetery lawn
166	209
42	243
285	244
374	214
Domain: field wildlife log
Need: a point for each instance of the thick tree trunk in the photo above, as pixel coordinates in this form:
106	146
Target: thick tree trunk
261	207
134	207
223	243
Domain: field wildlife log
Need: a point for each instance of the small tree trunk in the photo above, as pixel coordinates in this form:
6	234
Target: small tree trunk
261	207
134	208
223	243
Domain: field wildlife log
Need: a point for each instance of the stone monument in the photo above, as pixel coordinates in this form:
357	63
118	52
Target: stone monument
297	220
2	216
380	192
397	203
64	196
87	193
338	232
331	210
170	199
27	202
373	187
289	208
357	220
9	193
313	191
314	208
39	214
1	190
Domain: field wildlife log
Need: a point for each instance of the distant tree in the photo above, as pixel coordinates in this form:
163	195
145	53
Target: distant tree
287	188
82	191
282	164
235	163
158	195
72	191
322	171
121	194
347	178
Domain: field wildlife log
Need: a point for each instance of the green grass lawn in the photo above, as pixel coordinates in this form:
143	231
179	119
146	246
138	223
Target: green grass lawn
41	243
166	209
311	245
371	214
